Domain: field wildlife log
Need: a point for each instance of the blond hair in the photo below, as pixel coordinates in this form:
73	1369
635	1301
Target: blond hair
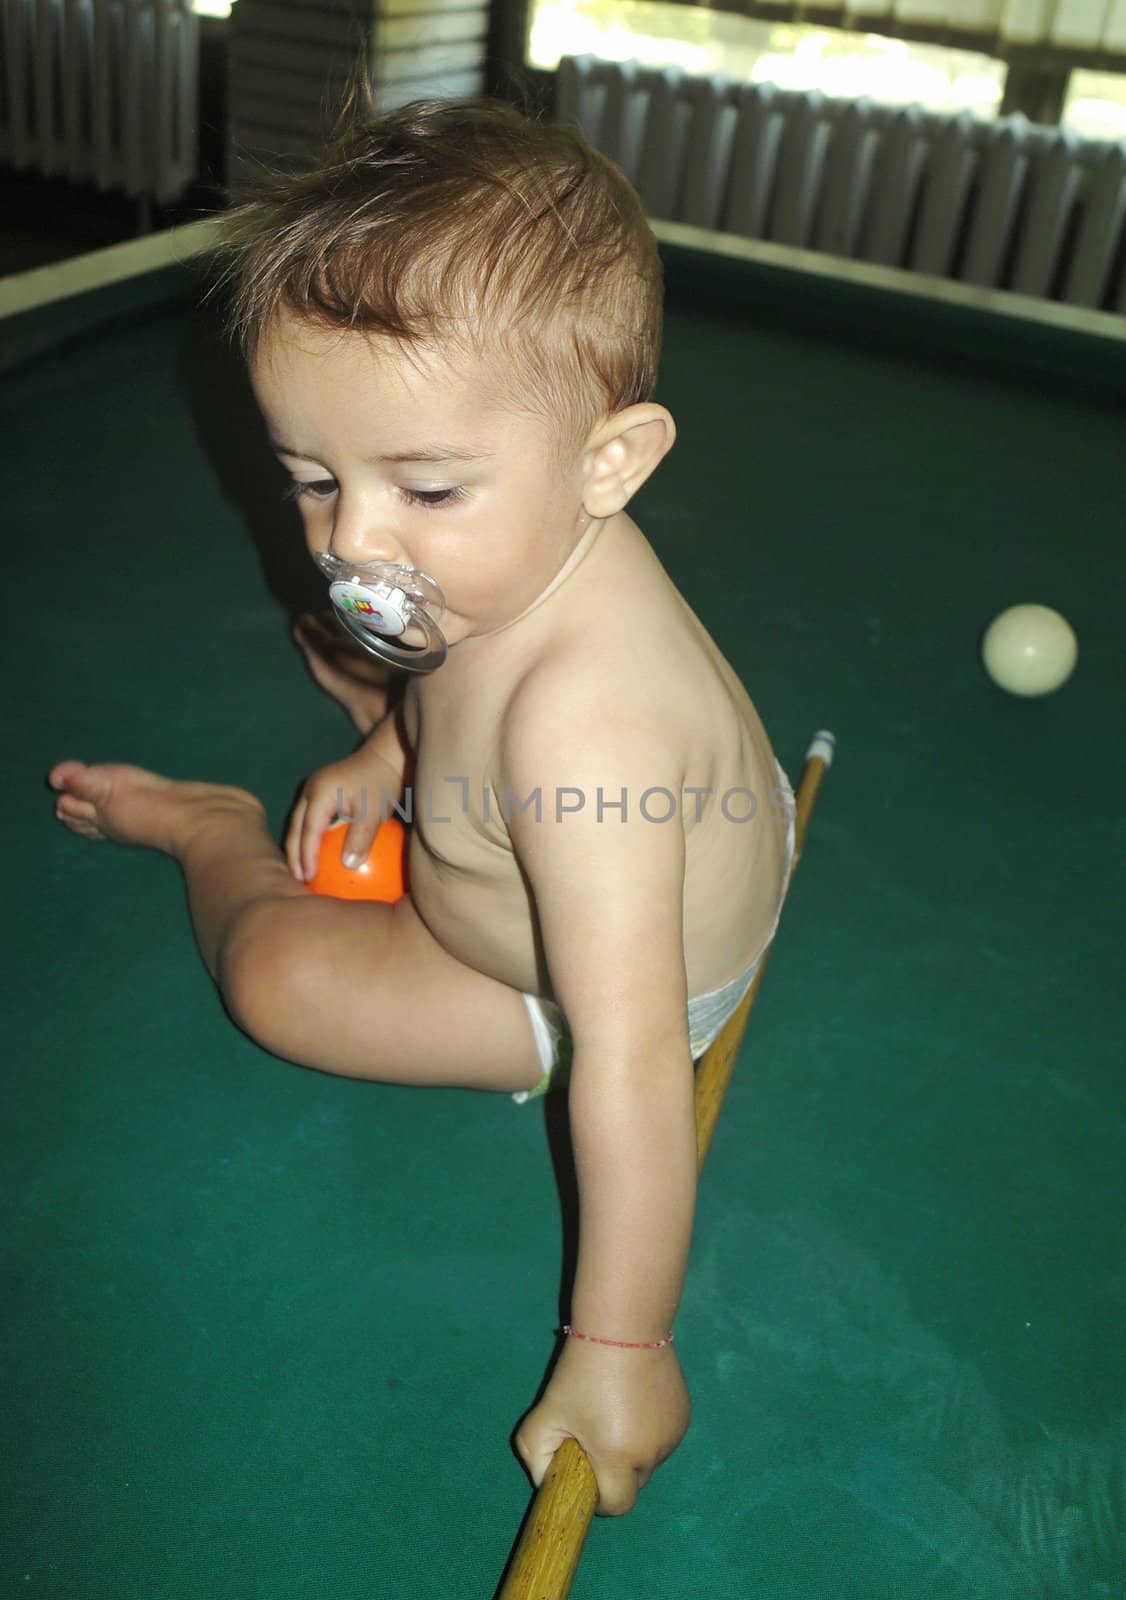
464	224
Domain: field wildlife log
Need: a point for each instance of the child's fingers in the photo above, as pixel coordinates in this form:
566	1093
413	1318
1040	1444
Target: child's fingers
536	1446
319	631
320	810
617	1491
618	1482
293	839
358	841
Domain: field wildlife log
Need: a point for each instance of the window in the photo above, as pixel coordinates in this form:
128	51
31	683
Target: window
845	65
1095	107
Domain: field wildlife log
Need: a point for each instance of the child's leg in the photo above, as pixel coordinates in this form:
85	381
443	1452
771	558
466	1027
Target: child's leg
351	987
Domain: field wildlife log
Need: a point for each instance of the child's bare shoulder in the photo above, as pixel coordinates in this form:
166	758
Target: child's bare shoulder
625	675
579	709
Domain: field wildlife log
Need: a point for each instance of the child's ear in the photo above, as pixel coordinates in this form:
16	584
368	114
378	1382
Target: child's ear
621	453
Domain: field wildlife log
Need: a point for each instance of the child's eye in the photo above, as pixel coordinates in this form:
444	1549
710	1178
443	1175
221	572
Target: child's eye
317	489
433	497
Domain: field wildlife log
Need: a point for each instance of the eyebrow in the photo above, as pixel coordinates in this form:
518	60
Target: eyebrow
436	452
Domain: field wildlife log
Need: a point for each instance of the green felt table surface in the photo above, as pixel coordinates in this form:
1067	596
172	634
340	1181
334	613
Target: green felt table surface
268	1331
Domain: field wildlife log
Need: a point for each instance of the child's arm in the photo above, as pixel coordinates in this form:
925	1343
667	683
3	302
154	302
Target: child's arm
629	1409
363	786
609	895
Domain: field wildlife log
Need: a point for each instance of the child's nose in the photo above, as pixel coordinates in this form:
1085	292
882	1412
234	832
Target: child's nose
362	538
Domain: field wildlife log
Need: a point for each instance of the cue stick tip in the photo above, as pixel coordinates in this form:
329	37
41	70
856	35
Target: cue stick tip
823	745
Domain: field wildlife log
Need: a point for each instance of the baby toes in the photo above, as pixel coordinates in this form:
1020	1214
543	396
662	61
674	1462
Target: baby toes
88	786
78	816
63	773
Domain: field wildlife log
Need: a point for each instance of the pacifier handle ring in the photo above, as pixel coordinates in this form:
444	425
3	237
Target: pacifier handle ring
412	658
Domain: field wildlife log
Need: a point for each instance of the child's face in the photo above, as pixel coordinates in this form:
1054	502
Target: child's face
420	462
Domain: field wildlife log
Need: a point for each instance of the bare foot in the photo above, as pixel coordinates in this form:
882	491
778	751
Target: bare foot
132	806
365	687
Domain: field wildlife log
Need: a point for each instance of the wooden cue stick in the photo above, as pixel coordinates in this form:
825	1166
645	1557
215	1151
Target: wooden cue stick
546	1559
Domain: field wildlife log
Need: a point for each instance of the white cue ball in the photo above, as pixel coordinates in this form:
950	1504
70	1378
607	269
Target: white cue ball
1029	650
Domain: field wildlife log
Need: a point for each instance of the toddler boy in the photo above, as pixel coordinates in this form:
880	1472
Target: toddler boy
453	327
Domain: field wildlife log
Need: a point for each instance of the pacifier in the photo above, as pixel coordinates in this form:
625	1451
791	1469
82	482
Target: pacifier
379	602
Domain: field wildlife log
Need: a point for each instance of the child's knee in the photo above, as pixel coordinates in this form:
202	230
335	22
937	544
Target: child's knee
263	969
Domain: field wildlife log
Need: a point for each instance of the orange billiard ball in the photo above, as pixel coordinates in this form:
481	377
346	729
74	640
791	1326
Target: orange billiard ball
380	877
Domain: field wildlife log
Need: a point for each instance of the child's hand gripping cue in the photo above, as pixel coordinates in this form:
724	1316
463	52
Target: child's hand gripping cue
628	1408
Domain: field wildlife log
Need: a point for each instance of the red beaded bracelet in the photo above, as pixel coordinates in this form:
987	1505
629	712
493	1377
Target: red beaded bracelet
619	1344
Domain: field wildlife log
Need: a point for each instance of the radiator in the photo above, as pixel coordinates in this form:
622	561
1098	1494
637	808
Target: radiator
101	91
1004	204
